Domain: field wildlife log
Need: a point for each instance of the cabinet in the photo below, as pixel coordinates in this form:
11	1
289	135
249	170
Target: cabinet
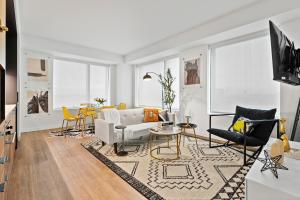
264	185
3	34
8	141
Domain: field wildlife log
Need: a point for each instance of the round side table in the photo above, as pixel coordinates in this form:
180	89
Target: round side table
185	126
121	152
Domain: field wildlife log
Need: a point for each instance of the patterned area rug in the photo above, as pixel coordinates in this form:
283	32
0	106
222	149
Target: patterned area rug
199	173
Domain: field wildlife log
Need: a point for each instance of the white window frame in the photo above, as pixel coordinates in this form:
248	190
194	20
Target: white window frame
211	60
136	81
88	64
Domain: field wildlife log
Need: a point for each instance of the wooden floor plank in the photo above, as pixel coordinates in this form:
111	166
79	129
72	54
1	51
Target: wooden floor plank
60	168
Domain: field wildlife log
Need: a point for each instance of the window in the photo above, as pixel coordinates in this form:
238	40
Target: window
69	83
241	74
99	82
75	83
149	93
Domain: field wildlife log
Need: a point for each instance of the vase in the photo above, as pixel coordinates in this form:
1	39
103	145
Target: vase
283	135
282	123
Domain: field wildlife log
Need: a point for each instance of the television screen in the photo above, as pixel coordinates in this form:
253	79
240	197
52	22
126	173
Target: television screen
285	57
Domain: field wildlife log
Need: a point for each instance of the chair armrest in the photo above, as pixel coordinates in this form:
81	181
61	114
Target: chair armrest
218	115
261	121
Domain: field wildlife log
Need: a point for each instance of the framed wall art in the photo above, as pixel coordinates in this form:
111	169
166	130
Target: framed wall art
192	71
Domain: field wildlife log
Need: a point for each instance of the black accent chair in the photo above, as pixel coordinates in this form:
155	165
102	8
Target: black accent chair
263	122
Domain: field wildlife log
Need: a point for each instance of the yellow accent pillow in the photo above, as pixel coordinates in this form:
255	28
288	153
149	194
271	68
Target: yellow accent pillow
151	114
239	125
122	106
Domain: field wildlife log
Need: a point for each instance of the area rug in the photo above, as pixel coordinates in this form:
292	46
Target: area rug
199	173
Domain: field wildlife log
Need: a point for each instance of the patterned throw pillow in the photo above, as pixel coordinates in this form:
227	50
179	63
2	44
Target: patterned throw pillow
163	115
239	125
151	114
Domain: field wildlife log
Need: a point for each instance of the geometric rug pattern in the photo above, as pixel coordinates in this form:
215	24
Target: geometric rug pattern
199	173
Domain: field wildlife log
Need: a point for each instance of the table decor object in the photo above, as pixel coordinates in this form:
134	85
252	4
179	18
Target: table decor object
283	135
277	149
100	101
271	163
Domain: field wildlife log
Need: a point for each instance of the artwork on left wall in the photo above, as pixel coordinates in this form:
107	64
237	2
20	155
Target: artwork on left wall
37	69
37	101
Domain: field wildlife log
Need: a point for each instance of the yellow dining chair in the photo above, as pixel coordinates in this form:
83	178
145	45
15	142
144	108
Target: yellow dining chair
88	112
69	117
122	106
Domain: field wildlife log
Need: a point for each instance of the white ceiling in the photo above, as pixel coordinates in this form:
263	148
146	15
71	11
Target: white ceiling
119	26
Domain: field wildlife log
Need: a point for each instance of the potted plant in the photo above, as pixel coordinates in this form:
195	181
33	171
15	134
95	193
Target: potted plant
169	94
100	101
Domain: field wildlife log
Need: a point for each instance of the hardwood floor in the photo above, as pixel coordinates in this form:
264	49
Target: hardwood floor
59	168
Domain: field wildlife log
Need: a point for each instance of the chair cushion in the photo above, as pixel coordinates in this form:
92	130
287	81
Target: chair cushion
236	137
239	126
261	131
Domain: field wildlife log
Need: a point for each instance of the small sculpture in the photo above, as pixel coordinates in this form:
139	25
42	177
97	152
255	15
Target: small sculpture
283	135
271	163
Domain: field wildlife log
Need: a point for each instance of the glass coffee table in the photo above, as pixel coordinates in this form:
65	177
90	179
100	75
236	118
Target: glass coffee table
168	133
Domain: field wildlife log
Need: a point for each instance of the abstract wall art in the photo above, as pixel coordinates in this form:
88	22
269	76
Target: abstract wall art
37	69
37	101
192	72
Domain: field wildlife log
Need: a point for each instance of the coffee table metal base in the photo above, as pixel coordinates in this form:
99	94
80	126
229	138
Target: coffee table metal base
160	147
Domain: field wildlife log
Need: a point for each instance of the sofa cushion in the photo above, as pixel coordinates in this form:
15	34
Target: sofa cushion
132	116
151	114
163	115
132	130
142	126
236	137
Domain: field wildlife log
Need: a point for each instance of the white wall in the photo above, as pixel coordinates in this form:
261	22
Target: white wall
240	17
196	99
51	49
193	99
124	84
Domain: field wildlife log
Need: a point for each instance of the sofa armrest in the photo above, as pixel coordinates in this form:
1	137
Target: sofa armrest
105	131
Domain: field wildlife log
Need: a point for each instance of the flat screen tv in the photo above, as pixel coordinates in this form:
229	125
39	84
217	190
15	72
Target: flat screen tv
286	59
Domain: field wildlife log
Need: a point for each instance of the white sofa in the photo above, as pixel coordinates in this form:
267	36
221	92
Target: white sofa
132	118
